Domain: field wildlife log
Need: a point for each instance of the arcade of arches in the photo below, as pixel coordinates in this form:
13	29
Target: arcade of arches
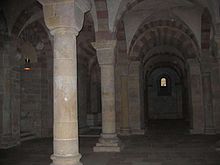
110	71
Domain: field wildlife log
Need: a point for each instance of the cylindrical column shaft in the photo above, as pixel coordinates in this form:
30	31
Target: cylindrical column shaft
108	99
208	107
65	19
125	130
108	141
66	150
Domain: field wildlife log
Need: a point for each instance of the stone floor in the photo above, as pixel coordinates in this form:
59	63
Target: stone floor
160	146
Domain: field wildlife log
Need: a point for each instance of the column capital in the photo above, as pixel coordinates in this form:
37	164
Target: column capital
65	13
104	44
105	51
84	5
64	30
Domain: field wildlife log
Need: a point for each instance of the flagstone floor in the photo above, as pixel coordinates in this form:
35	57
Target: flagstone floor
160	146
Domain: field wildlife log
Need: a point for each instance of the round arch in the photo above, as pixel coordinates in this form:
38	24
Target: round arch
164	33
125	6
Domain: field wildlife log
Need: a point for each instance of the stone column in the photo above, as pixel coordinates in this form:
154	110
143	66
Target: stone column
196	97
65	98
125	129
179	100
108	141
215	86
216	104
134	98
208	107
64	19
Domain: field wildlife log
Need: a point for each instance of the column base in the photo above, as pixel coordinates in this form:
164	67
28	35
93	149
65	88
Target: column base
108	143
210	131
217	146
138	131
67	160
7	141
195	132
125	131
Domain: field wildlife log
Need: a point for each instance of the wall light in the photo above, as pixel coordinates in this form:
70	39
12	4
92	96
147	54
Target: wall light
27	65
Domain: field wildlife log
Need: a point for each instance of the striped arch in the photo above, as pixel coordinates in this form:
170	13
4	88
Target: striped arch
103	32
163	55
165	60
130	5
165	24
164	32
121	43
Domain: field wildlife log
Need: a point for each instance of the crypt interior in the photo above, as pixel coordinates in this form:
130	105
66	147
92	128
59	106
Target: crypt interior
110	82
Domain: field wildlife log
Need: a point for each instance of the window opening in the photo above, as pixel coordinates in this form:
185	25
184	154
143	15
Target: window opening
163	82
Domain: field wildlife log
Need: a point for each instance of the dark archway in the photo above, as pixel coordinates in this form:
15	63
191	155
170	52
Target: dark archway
166	103
168	44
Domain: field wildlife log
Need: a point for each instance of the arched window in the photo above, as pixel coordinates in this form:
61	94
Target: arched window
164	85
163	82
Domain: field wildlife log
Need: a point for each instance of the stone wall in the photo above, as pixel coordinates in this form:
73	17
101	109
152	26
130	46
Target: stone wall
31	112
94	116
10	95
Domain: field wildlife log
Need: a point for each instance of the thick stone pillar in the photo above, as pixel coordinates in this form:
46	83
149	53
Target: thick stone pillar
108	141
215	85
216	103
208	107
125	128
65	99
134	98
64	19
121	94
210	79
196	97
179	95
